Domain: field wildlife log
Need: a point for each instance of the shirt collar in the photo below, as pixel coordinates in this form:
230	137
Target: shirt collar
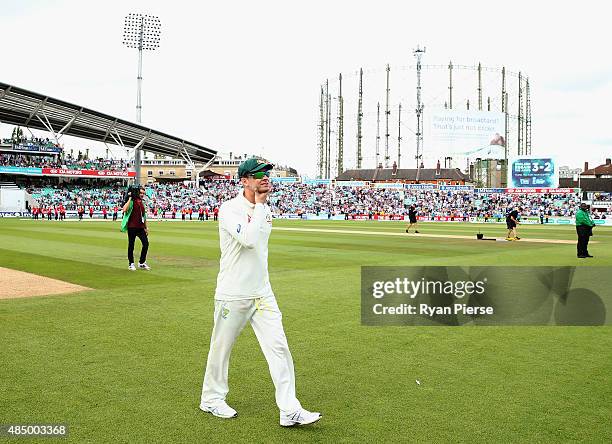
245	201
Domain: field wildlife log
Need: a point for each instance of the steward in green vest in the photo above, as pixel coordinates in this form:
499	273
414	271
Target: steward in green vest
584	229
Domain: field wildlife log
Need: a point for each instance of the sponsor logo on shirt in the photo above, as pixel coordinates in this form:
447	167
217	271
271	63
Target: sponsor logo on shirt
238	228
224	312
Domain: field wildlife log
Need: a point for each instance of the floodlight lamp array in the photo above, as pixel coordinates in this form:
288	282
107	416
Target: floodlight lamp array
142	31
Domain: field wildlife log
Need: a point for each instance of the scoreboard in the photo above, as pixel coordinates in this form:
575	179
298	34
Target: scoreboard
529	172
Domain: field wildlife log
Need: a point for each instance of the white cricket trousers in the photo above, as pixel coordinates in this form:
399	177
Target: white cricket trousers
230	318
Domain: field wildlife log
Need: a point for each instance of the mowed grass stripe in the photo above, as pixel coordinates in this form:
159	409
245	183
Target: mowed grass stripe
101	235
82	242
363	247
82	272
195	228
106	231
74	256
550	231
297	257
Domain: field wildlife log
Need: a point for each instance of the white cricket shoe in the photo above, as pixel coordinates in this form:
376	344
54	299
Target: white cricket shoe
144	267
132	267
220	411
301	417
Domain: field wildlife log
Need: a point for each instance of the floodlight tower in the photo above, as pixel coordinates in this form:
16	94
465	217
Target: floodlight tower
143	33
387	113
418	53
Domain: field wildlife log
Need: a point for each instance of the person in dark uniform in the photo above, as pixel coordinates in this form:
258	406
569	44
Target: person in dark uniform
511	224
412	217
584	229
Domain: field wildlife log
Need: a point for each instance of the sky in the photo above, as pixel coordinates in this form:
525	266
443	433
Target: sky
244	76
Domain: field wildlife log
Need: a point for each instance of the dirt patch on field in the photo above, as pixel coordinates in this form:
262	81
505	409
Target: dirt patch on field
19	284
444	236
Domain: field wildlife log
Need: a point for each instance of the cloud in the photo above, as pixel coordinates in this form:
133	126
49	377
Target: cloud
583	82
603	141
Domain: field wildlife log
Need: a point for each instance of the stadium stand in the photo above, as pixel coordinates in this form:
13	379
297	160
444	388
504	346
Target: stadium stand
298	199
67	162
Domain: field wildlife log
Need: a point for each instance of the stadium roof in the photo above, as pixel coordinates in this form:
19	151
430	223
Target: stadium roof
25	108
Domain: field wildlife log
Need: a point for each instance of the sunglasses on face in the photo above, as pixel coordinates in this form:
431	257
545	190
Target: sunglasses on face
260	174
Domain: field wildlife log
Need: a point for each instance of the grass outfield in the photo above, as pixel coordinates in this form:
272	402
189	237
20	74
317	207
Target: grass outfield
124	362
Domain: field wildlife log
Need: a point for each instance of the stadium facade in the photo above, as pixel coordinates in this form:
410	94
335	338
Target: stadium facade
591	180
438	175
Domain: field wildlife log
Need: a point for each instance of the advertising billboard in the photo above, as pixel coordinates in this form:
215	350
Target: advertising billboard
420	186
462	134
533	172
88	173
316	181
456	188
351	183
284	179
21	170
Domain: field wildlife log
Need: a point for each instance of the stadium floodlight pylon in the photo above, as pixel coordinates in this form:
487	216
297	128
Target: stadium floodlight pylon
141	32
418	54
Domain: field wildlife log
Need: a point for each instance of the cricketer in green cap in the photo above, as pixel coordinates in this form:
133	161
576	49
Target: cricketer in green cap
251	166
244	295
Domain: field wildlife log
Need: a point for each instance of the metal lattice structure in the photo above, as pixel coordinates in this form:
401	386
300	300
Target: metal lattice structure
340	159
377	134
387	114
418	53
322	139
399	135
438	86
359	119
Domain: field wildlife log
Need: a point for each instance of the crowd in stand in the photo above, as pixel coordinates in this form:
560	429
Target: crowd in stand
428	203
73	196
174	201
28	161
16	140
65	161
74	163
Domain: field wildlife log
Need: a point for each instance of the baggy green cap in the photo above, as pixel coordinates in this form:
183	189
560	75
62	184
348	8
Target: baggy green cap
253	165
